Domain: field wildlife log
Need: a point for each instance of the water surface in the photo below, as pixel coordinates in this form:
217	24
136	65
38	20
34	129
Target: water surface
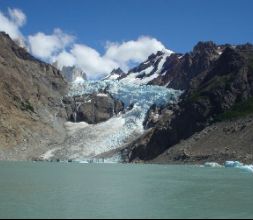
58	190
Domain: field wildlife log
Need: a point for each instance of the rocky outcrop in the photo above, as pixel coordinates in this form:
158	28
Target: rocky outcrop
72	73
31	113
220	142
219	84
175	70
93	108
180	69
116	74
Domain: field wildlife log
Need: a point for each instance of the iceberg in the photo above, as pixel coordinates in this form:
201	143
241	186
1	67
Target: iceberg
238	165
213	165
233	164
230	164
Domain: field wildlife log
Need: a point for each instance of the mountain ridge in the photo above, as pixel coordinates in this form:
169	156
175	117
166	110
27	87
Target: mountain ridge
216	79
30	109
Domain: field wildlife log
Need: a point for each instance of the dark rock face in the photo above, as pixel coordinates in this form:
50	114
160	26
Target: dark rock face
30	97
217	85
71	73
93	109
180	69
118	71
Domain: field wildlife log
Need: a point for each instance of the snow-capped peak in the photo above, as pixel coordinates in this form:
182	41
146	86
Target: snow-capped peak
149	70
115	74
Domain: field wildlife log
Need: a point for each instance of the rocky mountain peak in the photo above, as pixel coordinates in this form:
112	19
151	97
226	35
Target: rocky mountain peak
118	71
205	47
115	74
72	73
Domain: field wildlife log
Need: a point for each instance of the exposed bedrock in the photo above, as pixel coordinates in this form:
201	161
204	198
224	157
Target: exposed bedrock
93	108
223	90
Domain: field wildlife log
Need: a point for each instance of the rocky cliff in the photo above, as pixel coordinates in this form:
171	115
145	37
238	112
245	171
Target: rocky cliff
92	108
31	113
218	86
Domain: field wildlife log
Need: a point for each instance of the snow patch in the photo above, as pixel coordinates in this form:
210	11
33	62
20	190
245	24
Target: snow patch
132	77
102	95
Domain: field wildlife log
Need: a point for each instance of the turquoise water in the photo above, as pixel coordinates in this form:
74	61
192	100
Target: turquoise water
58	190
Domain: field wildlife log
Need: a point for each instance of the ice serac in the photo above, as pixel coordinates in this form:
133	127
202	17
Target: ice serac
107	137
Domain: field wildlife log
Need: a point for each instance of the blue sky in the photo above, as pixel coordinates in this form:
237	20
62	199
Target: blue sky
101	35
177	24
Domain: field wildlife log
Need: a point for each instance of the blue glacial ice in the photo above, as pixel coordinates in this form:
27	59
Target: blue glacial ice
230	164
87	142
238	165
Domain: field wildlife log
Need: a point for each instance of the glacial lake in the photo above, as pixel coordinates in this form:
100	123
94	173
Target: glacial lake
61	190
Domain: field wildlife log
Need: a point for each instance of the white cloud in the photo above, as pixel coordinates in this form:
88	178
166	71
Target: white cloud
17	16
133	51
116	55
47	46
61	47
12	22
91	62
64	59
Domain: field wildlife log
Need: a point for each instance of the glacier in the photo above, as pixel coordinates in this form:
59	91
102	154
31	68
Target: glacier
88	142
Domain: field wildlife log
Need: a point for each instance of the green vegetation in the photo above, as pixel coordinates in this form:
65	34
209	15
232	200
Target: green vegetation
239	110
26	106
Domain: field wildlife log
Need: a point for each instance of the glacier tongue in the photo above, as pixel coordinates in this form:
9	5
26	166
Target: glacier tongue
90	141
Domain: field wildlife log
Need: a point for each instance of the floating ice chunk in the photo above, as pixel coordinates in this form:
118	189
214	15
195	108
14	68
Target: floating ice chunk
236	164
248	168
212	164
233	164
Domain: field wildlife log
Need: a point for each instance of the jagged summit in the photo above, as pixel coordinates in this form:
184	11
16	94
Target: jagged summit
175	70
149	70
115	74
73	73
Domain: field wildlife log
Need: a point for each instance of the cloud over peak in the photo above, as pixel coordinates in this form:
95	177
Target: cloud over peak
46	46
12	22
62	48
133	50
